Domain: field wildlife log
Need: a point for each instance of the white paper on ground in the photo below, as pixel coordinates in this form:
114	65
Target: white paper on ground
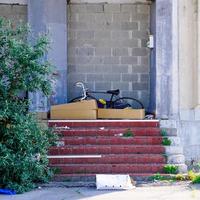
114	182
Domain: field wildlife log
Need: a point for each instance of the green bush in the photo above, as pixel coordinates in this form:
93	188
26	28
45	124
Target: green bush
166	141
23	142
170	169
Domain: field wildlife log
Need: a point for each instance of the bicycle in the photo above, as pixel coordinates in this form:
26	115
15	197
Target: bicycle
114	102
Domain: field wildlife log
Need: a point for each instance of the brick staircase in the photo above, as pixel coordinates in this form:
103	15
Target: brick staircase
87	148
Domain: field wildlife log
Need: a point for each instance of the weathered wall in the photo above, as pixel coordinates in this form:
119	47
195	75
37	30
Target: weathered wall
14	12
107	48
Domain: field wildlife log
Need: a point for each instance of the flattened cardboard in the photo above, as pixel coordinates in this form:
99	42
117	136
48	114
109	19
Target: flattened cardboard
80	105
120	114
73	114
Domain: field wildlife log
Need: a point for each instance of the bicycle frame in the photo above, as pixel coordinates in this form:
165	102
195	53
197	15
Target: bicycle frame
87	93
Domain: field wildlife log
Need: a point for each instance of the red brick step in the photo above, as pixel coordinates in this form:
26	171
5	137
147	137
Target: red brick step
113	159
109	131
107	149
102	140
104	123
108	168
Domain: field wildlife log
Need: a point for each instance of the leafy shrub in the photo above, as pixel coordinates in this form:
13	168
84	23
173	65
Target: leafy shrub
166	141
170	169
191	175
180	177
196	180
23	142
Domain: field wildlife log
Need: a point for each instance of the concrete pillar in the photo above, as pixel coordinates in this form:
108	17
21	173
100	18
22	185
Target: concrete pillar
166	59
50	16
198	67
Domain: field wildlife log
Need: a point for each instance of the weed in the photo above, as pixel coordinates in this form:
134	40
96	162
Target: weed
180	177
170	169
128	133
191	175
163	132
196	180
166	141
157	177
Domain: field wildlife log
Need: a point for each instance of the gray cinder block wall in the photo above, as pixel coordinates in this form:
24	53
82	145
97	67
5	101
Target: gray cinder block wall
14	12
107	48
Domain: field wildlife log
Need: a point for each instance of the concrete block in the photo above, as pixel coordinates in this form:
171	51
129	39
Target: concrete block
129	77
140	86
77	8
182	168
112	8
85	35
102	51
120	52
120	85
72	17
140	34
111	60
143	8
120	69
74	77
140	52
145	60
94	77
71	52
133	94
144	26
144	78
85	60
103	17
95	8
85	51
144	43
173	150
128	8
71	35
176	159
121	17
145	17
85	69
130	43
129	26
103	35
77	25
86	17
120	35
103	68
129	60
140	69
102	85
111	77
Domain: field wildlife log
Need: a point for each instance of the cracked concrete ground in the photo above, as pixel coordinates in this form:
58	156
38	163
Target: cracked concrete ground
183	191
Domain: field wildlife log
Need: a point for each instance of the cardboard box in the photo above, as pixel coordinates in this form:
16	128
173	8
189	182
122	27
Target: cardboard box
80	105
121	113
77	110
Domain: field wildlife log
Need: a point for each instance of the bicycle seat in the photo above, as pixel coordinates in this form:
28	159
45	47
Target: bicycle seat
113	92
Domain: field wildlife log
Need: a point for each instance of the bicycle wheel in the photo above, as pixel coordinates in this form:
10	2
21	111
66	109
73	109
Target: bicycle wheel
125	102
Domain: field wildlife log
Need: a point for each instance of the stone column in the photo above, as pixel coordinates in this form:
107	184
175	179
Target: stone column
166	59
49	16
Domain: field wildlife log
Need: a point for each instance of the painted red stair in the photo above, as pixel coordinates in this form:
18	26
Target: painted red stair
86	148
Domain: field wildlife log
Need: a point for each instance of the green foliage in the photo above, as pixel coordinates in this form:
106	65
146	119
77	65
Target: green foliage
163	133
191	175
180	177
170	169
128	133
166	141
196	180
157	177
23	142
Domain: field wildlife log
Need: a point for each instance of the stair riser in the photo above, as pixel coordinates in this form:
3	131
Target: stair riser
110	169
111	141
104	124
110	132
136	159
106	150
